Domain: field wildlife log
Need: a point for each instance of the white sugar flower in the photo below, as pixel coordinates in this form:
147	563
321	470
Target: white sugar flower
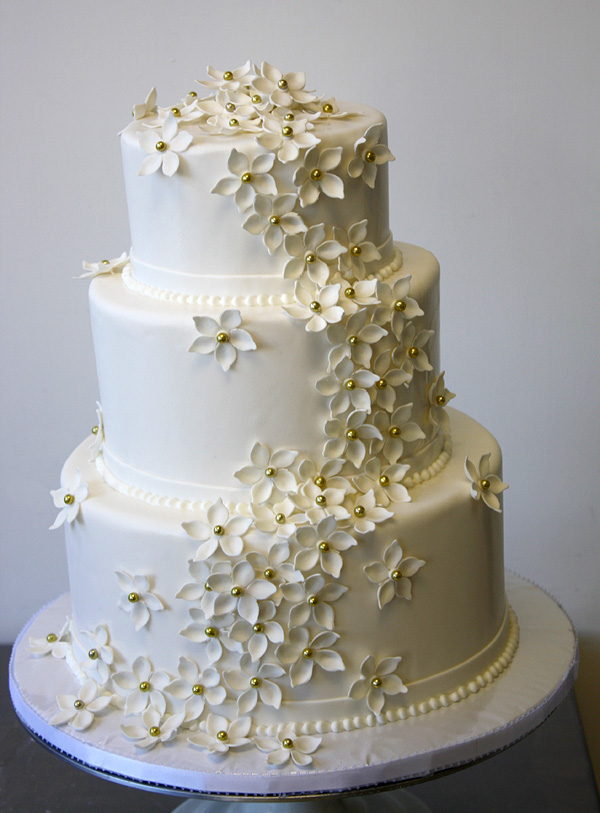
439	397
384	482
137	599
410	354
368	155
275	566
312	598
347	438
79	710
285	746
100	656
240	591
484	485
396	306
277	518
365	513
195	688
219	531
163	151
326	475
69	499
147	108
98	435
228	80
310	254
323	544
302	653
354	338
359	250
247	179
256	636
196	590
152	728
274	218
319	501
53	644
376	681
347	388
317	306
357	295
315	175
222	734
254	684
114	266
223	337
214	636
143	687
269	473
393	575
395	430
286	138
327	109
230	112
283	89
387	379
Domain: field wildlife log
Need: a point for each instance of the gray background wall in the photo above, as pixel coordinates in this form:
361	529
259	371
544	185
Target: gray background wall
493	115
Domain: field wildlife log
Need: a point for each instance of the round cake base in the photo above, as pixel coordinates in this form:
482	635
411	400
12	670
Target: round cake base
541	674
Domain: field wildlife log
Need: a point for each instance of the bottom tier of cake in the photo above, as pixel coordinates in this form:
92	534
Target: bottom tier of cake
417	616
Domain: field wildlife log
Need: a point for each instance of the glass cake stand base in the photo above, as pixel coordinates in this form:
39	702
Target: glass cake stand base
356	763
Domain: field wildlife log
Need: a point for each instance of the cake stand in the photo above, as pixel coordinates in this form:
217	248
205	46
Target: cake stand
350	764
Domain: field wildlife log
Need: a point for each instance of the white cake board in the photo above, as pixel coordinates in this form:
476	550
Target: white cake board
540	676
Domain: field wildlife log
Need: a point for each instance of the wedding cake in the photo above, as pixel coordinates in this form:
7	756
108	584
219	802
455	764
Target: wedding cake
278	531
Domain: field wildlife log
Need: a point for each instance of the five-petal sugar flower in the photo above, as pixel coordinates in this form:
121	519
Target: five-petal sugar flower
396	306
114	266
69	499
286	138
302	653
239	591
269	472
254	684
55	644
318	307
276	566
347	388
223	337
137	599
387	379
439	397
395	430
310	253
485	485
79	710
410	354
376	681
247	179
100	656
152	728
369	154
357	295
283	89
315	175
255	637
316	502
313	598
142	687
365	513
221	734
274	218
384	481
163	150
196	688
228	80
213	636
323	544
285	746
219	531
393	575
276	518
354	338
359	250
347	437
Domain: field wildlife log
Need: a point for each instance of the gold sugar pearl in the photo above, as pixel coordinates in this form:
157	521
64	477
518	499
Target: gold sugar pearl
350	384
384	480
144	686
227	76
280	519
79	704
93	654
289	117
360	511
315	306
207	587
222	337
269	573
399	305
440	400
327	108
376	682
323	547
211	632
105	262
485	485
234	123
236	591
222	736
287	131
230	107
350	293
351	434
287	743
370	156
176	112
353	340
51	638
133	597
254	682
356	251
381	384
413	352
197	688
246	177
396	575
256	99
274	220
154	731
258	628
316	174
282	84
307	653
161	146
69	499
218	530
395	431
270	472
193	94
320	481
311	258
321	499
95	430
